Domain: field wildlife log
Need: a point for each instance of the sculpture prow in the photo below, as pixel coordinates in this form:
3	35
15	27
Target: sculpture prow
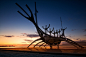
40	32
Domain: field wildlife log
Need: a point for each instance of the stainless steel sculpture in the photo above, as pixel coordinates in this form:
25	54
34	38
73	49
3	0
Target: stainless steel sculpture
47	39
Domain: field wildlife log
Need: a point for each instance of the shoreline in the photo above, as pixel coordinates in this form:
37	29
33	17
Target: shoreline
48	51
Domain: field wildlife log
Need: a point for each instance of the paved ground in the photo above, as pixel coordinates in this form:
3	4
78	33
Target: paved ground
26	54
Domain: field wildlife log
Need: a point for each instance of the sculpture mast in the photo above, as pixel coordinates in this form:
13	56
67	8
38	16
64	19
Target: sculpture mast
61	23
36	13
63	29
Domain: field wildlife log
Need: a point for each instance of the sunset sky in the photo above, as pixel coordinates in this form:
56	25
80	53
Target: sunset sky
15	29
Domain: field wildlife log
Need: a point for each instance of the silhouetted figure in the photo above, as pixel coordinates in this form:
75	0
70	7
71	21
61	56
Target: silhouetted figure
63	31
50	31
56	32
59	32
46	27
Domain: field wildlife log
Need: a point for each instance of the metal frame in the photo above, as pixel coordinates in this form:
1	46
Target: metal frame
43	35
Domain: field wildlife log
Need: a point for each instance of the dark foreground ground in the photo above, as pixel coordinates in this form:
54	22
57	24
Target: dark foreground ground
40	52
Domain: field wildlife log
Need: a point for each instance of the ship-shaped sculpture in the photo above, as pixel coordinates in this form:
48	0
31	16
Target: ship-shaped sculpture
47	38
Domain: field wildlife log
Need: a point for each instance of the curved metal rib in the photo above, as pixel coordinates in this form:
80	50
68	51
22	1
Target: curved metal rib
45	45
21	14
29	18
42	44
29	9
34	41
21	8
37	43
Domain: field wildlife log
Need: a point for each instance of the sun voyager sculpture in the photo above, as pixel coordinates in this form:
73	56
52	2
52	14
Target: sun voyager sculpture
47	38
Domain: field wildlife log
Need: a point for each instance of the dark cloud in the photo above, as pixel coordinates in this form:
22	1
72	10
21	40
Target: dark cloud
84	30
27	40
84	35
73	29
78	39
30	35
8	36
